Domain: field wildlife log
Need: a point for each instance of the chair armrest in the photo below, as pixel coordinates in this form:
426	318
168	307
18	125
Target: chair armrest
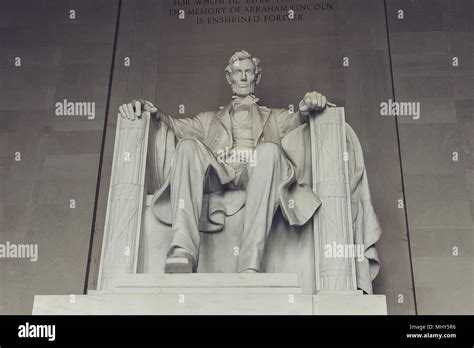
332	223
126	200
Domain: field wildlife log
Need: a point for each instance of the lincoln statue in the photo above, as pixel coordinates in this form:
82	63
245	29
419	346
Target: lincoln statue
237	148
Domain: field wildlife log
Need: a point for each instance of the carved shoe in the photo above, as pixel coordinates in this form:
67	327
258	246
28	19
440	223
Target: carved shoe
179	262
249	270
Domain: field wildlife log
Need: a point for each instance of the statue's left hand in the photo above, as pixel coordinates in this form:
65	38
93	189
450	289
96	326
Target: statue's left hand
136	109
312	101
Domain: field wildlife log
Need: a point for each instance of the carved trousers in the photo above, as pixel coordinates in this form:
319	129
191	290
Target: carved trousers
191	178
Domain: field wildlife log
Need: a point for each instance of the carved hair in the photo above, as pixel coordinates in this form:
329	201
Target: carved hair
241	55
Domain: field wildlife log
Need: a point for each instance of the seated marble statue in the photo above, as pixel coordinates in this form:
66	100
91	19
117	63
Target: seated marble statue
235	156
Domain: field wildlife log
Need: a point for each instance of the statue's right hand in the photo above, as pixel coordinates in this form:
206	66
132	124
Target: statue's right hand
136	109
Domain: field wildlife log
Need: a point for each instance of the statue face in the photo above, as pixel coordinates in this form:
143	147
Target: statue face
243	78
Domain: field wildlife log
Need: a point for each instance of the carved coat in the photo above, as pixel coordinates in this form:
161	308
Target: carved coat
298	202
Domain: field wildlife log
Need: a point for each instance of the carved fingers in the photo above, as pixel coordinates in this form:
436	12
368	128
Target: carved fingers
150	107
312	101
136	109
127	111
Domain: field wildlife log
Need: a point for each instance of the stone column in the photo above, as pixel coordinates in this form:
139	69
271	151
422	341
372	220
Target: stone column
332	223
126	200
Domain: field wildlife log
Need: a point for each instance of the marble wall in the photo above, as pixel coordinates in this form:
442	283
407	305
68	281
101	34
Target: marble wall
61	59
437	149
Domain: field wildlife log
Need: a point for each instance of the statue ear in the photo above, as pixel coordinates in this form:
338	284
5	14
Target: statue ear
229	78
258	79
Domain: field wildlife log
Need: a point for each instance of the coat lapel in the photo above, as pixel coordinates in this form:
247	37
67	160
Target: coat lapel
259	122
224	116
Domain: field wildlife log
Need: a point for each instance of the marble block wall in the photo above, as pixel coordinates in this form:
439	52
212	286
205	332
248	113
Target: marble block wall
61	58
437	149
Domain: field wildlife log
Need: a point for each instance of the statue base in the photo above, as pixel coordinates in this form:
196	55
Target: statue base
209	294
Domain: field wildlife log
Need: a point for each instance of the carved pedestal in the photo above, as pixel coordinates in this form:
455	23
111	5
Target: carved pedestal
208	294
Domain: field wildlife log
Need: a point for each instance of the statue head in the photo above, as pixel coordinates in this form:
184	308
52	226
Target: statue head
243	73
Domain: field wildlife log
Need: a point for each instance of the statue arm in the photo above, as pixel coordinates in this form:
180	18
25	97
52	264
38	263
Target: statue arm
287	121
184	127
194	127
311	103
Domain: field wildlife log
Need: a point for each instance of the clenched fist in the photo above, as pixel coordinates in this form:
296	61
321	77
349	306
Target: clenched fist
136	108
312	101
